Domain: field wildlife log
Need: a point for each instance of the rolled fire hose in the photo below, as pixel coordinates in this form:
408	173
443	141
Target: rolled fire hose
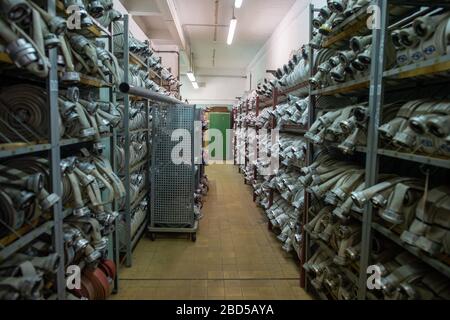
26	283
24	115
429	229
362	197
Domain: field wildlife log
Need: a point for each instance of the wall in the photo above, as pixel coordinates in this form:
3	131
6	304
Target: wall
216	90
290	35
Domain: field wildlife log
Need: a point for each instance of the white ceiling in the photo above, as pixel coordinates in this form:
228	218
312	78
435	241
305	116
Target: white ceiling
257	19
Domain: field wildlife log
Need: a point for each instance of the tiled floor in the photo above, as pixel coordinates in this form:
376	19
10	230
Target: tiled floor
235	256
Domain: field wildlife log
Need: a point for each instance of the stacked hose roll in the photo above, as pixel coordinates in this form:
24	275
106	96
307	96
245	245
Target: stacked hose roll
420	125
427	38
88	185
26	32
137	185
25	275
348	65
138	117
138	150
404	277
296	71
295	111
139	77
23	195
327	277
89	118
332	15
284	217
429	230
138	216
24	115
292	151
97	283
136	46
88	57
347	126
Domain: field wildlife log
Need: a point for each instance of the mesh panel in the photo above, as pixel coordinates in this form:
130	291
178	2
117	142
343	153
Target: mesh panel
172	194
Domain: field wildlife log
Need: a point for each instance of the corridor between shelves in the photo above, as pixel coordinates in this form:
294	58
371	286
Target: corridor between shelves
235	256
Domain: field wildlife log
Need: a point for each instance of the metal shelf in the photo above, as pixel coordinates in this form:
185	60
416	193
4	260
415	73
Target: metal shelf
24	240
348	28
422	68
347	87
74	141
15	149
437	162
293	128
434	263
93	82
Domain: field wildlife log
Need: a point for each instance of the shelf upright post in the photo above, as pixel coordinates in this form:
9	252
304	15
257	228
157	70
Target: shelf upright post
112	159
274	107
309	155
126	131
255	170
149	155
55	160
376	98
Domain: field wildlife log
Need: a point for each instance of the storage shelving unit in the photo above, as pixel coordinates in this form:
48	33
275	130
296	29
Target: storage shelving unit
373	89
53	146
132	239
52	149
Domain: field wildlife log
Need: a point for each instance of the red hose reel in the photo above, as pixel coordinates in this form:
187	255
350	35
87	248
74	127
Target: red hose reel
96	284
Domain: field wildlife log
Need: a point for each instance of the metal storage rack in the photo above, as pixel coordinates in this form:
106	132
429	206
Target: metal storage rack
53	148
375	89
131	240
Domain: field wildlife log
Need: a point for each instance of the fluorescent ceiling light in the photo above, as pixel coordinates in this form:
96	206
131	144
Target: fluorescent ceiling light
195	85
191	76
238	3
232	30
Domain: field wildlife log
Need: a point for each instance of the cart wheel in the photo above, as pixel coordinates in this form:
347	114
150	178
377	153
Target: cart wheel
152	236
193	237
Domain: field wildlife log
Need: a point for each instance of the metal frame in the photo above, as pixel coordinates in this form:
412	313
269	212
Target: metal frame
132	240
53	147
374	88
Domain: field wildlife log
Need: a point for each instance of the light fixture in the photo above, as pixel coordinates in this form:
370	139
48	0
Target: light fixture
195	85
232	30
238	3
191	76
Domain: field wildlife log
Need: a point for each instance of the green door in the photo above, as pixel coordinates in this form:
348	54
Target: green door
222	122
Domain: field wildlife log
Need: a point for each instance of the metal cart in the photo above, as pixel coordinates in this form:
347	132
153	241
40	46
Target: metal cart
173	183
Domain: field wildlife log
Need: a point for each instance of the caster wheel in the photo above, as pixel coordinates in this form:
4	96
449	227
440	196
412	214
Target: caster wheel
194	237
152	236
